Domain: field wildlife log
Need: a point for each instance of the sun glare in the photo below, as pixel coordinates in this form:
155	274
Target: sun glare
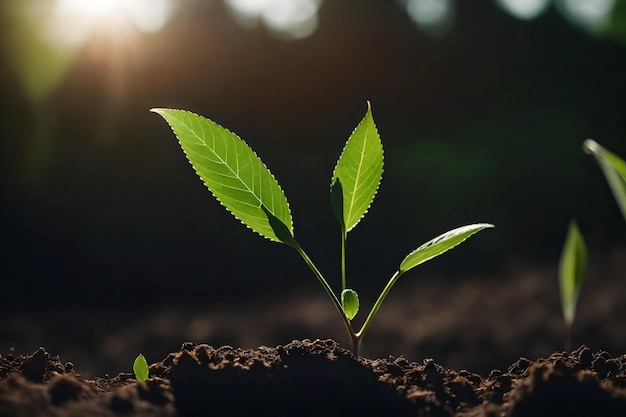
93	9
73	22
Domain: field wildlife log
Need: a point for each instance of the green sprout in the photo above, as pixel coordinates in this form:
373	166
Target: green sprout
240	181
140	368
572	268
614	169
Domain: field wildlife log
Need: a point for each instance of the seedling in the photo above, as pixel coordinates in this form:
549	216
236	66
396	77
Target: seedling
573	262
614	169
140	368
572	268
244	186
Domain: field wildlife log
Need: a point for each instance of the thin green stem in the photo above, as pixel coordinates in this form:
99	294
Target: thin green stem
378	303
343	258
329	291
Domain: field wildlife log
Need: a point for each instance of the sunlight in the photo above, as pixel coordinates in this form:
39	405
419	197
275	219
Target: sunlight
95	9
73	22
524	9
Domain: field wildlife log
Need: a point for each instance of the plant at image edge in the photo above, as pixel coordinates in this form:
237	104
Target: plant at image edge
572	268
244	186
614	169
140	368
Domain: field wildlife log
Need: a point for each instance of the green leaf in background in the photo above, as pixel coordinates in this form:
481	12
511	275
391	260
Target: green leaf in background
232	171
614	169
350	303
440	244
358	173
572	267
140	368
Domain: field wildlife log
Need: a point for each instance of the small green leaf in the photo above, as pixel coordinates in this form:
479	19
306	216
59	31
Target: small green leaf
358	173
350	303
614	169
440	244
140	367
231	170
572	268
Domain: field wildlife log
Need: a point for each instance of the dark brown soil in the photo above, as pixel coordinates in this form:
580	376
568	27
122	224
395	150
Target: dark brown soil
317	378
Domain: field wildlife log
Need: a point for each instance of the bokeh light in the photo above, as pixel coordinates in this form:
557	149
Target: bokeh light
591	14
434	17
524	9
290	19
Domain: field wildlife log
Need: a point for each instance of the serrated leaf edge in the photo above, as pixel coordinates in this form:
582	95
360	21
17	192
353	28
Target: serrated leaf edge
290	226
334	176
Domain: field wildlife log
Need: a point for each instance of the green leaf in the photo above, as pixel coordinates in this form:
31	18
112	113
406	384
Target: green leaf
358	173
140	367
440	244
614	169
231	170
350	303
572	268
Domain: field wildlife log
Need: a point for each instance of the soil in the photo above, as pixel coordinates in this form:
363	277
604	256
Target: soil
495	344
318	378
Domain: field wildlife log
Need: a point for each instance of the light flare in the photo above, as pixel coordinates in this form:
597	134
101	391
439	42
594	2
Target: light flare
73	22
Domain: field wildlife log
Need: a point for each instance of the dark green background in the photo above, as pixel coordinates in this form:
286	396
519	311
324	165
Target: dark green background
99	206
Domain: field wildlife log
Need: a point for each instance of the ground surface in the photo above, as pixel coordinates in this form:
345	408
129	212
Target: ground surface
475	329
316	378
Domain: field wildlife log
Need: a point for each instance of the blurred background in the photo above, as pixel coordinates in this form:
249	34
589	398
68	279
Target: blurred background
106	233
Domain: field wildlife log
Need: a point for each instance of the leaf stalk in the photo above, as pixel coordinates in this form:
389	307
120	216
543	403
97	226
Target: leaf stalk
343	258
378	303
328	290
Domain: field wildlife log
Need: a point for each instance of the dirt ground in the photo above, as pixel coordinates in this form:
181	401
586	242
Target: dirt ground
437	347
316	378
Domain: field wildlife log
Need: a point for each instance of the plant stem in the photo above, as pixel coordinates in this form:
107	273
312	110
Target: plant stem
378	303
343	258
356	341
331	294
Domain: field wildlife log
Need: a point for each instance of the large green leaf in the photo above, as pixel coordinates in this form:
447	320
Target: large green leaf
232	171
572	267
614	169
439	245
358	173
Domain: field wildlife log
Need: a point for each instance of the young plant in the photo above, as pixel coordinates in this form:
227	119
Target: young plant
614	169
244	186
572	268
140	368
